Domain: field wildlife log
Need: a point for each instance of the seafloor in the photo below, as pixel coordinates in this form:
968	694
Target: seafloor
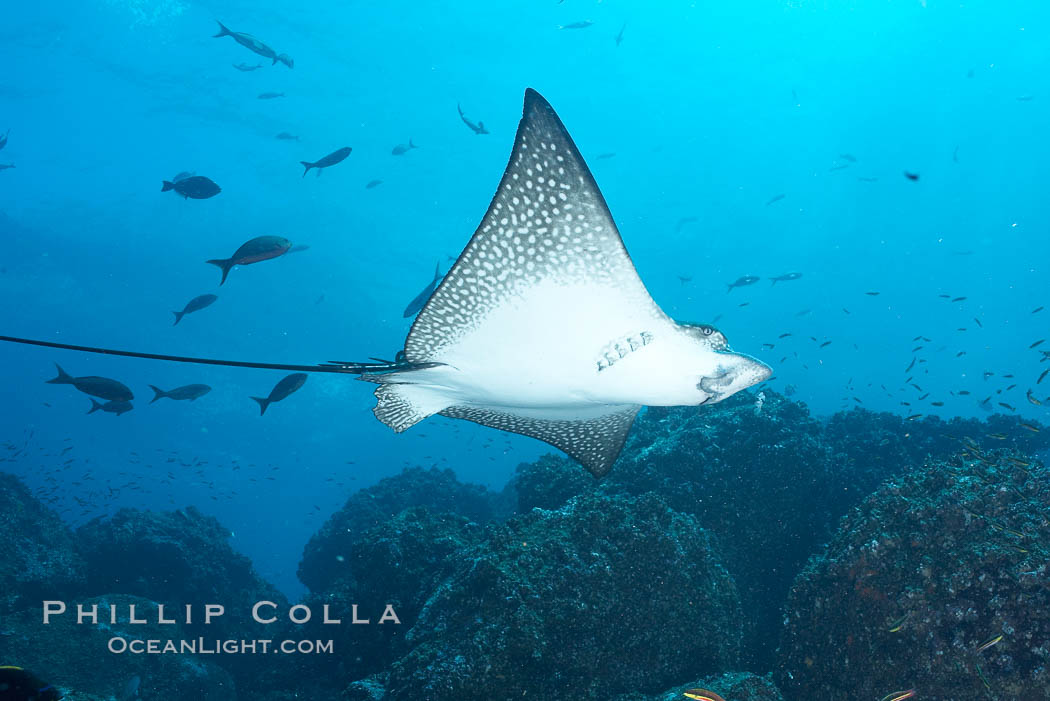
756	552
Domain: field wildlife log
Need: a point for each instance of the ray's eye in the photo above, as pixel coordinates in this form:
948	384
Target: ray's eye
707	330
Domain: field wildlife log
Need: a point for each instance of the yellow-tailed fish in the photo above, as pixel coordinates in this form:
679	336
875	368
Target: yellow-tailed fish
701	695
899	695
989	642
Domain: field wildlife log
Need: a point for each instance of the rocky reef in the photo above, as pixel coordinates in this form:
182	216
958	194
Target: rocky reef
937	582
38	554
324	558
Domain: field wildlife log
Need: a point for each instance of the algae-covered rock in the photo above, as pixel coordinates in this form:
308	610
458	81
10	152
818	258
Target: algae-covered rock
78	656
324	558
553	605
38	556
920	582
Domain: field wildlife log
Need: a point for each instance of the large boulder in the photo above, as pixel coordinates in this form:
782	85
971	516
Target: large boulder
38	555
919	584
553	603
325	559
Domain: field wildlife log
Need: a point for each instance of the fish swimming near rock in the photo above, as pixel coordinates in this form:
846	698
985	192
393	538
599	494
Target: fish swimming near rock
195	305
252	44
113	406
184	393
281	390
330	160
195	187
478	128
417	303
246	68
18	684
255	251
743	282
101	387
402	149
542	327
787	277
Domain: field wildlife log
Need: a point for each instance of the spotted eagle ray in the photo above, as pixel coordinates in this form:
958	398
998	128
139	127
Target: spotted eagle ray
543	326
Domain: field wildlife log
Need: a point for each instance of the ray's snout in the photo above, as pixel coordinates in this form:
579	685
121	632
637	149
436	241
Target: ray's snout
736	372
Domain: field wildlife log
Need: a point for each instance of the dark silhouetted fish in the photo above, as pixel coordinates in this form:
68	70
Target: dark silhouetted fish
5	166
401	149
101	387
911	176
619	37
743	282
257	250
285	136
196	187
195	305
187	392
577	25
787	277
417	303
281	390
329	160
373	183
113	406
270	95
478	128
18	684
252	44
3	139
244	67
774	198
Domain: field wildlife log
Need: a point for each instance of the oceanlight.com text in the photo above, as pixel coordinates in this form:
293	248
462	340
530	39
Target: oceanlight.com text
203	646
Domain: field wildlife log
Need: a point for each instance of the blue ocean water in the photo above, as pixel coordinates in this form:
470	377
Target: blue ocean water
711	109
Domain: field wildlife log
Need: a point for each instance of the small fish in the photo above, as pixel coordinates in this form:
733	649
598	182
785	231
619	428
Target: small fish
911	176
914	417
605	156
701	695
402	149
420	300
3	139
873	294
254	251
331	159
196	187
285	136
1030	427
960	354
245	68
978	322
775	198
685	279
784	335
936	403
478	128
577	25
18	684
896	626
1043	376
959	299
998	436
113	406
184	393
743	282
804	312
194	305
787	277
832	169
1011	408
281	390
848	157
619	37
899	695
373	183
6	166
1038	309
270	95
825	344
252	44
101	387
1037	343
